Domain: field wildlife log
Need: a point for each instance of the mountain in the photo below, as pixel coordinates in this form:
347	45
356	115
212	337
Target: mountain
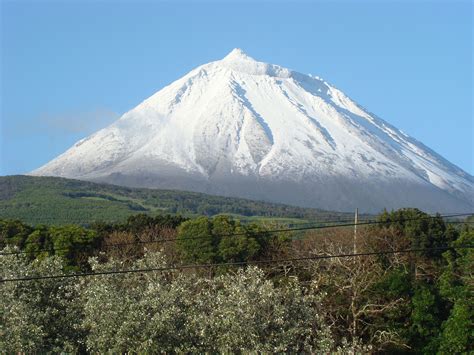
239	127
53	200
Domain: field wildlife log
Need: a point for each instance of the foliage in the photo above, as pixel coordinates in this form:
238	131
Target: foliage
75	243
37	316
361	295
392	302
157	312
439	284
234	312
223	239
422	230
13	232
425	319
51	200
196	242
140	222
457	286
401	301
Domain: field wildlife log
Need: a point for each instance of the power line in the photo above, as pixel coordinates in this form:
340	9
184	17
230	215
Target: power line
366	222
309	227
237	263
247	233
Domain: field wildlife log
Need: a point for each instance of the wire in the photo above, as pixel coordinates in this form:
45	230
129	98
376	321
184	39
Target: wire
247	233
326	226
309	223
238	263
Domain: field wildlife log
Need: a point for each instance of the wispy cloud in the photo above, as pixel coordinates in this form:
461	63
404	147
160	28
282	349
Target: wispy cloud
66	123
79	122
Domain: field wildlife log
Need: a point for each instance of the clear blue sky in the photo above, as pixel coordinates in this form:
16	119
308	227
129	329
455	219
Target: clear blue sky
69	68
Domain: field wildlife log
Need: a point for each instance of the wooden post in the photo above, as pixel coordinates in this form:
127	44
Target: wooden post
356	218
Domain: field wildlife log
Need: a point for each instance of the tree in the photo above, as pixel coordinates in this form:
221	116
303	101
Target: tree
357	304
13	232
240	247
40	316
170	312
423	230
425	319
75	244
457	286
223	239
39	243
196	242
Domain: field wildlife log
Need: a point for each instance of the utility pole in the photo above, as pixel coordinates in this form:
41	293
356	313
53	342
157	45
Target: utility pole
356	218
353	309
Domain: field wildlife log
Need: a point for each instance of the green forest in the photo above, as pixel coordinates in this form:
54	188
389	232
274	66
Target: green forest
59	201
170	283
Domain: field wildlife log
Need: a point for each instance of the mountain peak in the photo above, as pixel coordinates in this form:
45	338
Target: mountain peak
239	61
238	54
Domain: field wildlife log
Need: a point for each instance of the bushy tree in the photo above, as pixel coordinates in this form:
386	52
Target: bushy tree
437	316
13	232
39	243
245	312
37	316
73	243
457	286
239	312
242	246
422	230
223	239
425	319
196	242
116	315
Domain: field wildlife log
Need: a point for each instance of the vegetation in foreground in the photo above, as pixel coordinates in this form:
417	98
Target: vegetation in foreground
386	302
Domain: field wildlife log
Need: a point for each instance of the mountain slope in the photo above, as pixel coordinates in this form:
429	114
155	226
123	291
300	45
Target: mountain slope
53	200
239	127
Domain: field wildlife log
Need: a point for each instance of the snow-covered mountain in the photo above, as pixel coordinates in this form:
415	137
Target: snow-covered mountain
244	128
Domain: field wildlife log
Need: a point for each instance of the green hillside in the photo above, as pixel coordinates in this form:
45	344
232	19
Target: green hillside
52	200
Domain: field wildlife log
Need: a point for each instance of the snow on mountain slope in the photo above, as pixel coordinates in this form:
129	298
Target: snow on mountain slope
245	128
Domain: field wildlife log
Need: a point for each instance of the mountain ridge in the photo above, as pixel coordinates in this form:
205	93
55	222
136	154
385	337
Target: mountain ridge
240	127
